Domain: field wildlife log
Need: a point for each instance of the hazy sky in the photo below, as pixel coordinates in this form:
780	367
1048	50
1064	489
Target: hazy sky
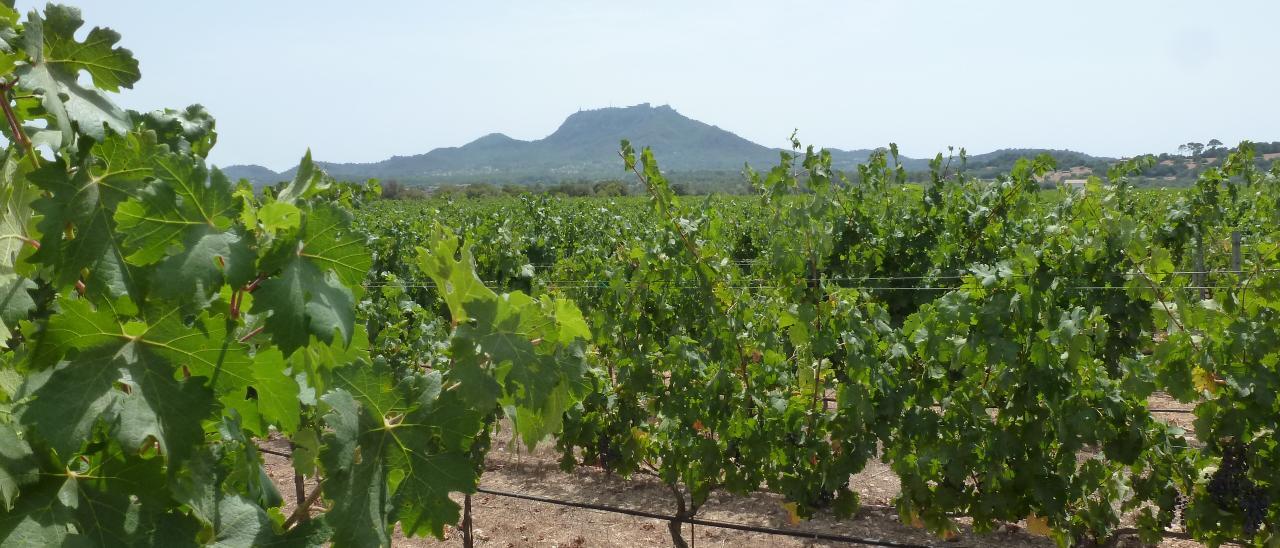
361	81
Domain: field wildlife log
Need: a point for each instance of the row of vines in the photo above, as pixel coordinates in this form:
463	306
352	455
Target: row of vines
994	344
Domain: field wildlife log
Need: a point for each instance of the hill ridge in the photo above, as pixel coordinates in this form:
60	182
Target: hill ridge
585	144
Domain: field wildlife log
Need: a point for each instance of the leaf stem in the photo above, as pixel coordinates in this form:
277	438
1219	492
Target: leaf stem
251	334
15	126
253	286
304	507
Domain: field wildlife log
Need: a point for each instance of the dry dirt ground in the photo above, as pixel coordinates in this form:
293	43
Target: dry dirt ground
510	523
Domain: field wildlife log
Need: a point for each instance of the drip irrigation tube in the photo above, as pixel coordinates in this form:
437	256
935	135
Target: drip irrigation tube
812	535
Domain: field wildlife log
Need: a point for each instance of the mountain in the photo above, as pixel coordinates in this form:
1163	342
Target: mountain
255	173
585	146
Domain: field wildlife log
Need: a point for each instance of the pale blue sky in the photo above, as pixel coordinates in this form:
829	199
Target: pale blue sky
361	81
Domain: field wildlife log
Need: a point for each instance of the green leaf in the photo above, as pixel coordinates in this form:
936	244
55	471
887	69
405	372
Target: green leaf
57	58
16	216
311	365
186	223
304	301
328	242
357	488
120	499
1161	265
125	388
394	452
78	326
189	131
540	380
455	279
204	349
17	465
280	216
210	258
311	292
16	213
15	303
124	374
79	236
179	202
307	182
234	520
306	450
277	391
530	356
110	67
240	523
314	533
38	519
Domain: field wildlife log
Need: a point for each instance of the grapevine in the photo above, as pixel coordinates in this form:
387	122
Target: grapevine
778	343
160	320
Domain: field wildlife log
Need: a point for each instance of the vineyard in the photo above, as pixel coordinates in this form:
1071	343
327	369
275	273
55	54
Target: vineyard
997	347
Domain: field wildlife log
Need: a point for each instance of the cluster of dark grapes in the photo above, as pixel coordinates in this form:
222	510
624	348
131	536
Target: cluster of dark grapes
1231	488
609	455
1180	508
823	498
732	451
1254	505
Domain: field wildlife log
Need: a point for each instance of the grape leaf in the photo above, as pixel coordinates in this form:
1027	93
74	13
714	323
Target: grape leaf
116	501
110	67
307	181
409	430
123	387
310	293
210	258
17	465
124	374
56	59
38	519
233	519
177	202
455	279
530	349
16	214
277	393
15	231
357	487
78	230
187	224
8	28
540	381
280	216
77	326
188	131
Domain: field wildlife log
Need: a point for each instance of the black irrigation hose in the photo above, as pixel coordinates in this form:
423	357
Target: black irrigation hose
274	452
812	535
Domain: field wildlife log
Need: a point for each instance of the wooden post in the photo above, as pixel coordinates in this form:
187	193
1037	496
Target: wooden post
1198	279
1235	251
300	494
299	486
468	540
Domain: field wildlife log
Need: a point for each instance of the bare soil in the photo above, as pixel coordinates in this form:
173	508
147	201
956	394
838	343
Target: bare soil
511	523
